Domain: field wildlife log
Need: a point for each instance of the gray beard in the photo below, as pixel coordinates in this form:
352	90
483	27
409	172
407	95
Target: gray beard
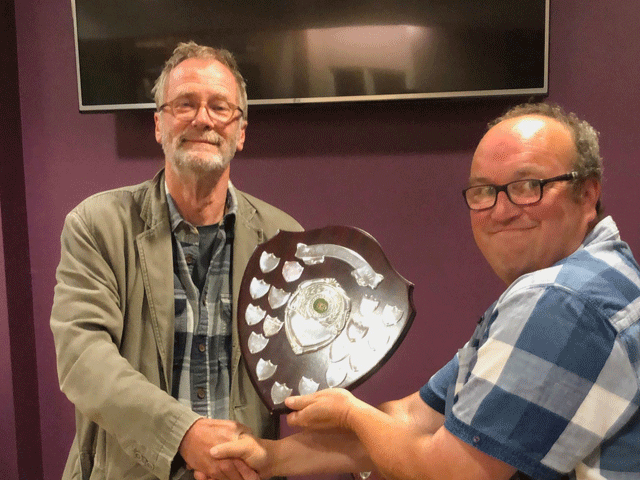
185	161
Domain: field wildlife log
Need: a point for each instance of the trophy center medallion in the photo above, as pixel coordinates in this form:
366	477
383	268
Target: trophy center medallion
320	305
316	314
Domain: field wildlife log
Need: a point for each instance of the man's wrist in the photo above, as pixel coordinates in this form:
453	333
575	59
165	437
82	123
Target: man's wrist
354	408
271	452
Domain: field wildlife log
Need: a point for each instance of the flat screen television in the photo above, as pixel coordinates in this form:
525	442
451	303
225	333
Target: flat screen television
311	51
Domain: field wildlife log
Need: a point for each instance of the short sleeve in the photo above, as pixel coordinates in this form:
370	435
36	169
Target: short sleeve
521	397
434	392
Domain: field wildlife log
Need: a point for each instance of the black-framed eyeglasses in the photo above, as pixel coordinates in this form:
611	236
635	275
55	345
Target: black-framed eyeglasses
186	107
520	192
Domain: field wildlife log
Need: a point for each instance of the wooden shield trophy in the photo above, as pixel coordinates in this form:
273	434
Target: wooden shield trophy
319	309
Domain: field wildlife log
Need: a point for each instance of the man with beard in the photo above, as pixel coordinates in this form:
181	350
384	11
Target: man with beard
145	303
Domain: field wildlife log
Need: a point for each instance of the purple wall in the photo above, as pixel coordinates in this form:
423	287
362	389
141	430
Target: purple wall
9	453
8	441
392	170
20	441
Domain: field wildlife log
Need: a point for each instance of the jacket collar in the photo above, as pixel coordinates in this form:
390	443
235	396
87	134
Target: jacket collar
154	203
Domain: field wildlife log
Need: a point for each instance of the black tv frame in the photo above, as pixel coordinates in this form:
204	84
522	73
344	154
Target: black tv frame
232	28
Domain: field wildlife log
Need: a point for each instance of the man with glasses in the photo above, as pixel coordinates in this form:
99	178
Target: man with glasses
548	387
145	305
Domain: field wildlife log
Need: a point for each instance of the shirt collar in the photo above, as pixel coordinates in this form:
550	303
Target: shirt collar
606	229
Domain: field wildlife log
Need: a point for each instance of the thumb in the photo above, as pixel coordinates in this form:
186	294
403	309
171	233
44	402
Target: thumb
298	402
237	449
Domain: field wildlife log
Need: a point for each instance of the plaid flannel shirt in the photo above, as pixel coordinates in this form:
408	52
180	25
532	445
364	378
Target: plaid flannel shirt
202	349
550	381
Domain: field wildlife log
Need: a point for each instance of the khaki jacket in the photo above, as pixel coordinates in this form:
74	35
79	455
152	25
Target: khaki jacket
113	326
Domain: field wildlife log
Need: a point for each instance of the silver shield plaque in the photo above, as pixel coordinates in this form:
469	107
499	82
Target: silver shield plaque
319	309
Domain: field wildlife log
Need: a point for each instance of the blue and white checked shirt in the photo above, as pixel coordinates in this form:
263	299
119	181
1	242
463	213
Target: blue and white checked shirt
202	348
550	381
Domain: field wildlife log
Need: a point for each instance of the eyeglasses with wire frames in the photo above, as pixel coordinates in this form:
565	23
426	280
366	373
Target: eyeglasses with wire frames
186	107
527	191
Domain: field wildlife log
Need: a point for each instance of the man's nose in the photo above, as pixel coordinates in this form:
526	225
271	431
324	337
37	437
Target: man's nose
202	117
504	207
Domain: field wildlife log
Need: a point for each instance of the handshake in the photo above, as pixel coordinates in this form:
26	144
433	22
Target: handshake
403	439
325	444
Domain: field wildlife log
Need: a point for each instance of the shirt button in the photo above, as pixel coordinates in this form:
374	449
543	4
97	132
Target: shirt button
201	347
201	393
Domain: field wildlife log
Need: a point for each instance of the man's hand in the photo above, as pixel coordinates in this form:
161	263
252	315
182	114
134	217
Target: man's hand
247	449
206	433
304	453
324	409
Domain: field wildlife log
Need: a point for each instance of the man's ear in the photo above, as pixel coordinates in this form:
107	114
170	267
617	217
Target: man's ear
241	135
592	189
590	193
156	119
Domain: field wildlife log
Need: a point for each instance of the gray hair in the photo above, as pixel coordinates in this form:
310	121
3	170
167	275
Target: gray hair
191	49
588	162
